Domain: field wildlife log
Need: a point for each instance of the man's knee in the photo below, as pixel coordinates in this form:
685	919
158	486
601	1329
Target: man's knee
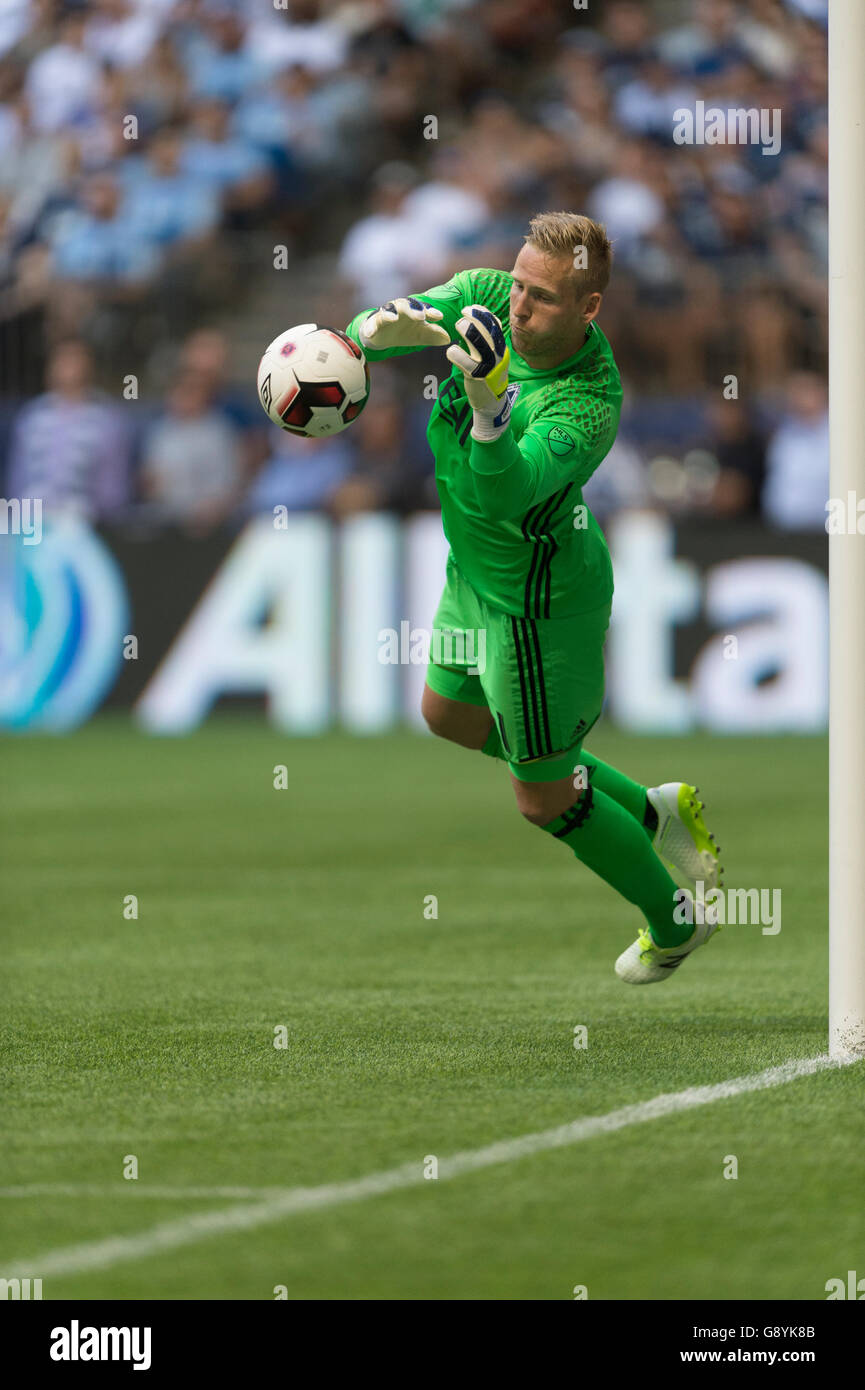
541	802
537	815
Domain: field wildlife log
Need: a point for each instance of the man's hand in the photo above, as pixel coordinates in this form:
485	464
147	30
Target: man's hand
403	323
485	366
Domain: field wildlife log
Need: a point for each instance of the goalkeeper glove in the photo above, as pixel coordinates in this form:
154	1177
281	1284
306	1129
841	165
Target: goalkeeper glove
485	367
403	323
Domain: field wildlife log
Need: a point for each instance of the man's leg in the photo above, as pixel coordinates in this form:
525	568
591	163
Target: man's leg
608	840
528	701
603	776
467	724
454	704
544	684
601	833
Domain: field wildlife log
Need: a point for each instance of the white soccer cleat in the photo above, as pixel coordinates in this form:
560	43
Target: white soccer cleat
682	839
644	963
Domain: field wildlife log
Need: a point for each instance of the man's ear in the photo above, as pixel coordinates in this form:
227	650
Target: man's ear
592	306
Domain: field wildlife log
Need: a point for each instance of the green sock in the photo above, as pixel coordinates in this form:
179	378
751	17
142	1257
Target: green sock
607	779
603	776
613	845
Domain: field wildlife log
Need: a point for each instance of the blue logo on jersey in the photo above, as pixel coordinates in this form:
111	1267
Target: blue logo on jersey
505	413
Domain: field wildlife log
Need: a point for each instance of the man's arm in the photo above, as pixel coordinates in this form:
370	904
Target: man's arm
553	452
512	477
446	300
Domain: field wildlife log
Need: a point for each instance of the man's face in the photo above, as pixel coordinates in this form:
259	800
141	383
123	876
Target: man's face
69	369
101	197
211	120
548	322
165	154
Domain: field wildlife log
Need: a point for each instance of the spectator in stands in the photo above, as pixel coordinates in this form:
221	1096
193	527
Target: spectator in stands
286	112
739	446
191	466
166	206
505	150
646	105
63	81
100	244
452	201
300	474
620	483
626	204
579	112
34	165
299	32
797	461
71	446
235	170
221	67
626	27
302	122
205	356
158	87
385	475
121	33
389	252
708	42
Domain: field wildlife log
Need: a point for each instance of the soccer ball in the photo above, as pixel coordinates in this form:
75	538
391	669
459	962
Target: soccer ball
313	381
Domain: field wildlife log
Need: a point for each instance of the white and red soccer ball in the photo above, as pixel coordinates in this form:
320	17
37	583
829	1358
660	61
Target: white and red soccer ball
313	381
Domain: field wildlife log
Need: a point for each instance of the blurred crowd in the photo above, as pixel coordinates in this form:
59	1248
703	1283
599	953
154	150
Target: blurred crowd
145	145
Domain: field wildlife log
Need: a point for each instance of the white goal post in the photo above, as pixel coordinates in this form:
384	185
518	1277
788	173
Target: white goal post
847	552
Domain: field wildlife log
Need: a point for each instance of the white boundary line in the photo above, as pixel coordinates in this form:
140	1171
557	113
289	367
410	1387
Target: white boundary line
131	1187
187	1230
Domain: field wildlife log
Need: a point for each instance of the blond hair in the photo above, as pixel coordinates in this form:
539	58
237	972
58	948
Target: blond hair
562	234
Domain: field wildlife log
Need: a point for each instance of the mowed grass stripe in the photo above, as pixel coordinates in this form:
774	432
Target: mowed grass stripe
188	1230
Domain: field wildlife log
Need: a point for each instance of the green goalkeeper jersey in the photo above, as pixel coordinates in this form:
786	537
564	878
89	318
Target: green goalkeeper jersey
512	509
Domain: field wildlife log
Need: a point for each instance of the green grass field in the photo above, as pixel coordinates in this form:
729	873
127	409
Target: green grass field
406	1037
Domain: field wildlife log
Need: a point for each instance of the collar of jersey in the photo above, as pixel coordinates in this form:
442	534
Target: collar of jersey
588	346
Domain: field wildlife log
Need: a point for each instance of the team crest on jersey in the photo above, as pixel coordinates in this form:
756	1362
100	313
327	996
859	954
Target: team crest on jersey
560	441
510	396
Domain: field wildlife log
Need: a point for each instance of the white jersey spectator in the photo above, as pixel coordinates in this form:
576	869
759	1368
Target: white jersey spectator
63	82
71	447
391	252
647	106
121	33
301	35
797	459
450	204
14	19
629	209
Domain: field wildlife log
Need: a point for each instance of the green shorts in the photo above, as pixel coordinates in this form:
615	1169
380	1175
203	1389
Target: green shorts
542	679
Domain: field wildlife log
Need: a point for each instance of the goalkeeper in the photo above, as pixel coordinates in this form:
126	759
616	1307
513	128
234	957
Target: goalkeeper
527	414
